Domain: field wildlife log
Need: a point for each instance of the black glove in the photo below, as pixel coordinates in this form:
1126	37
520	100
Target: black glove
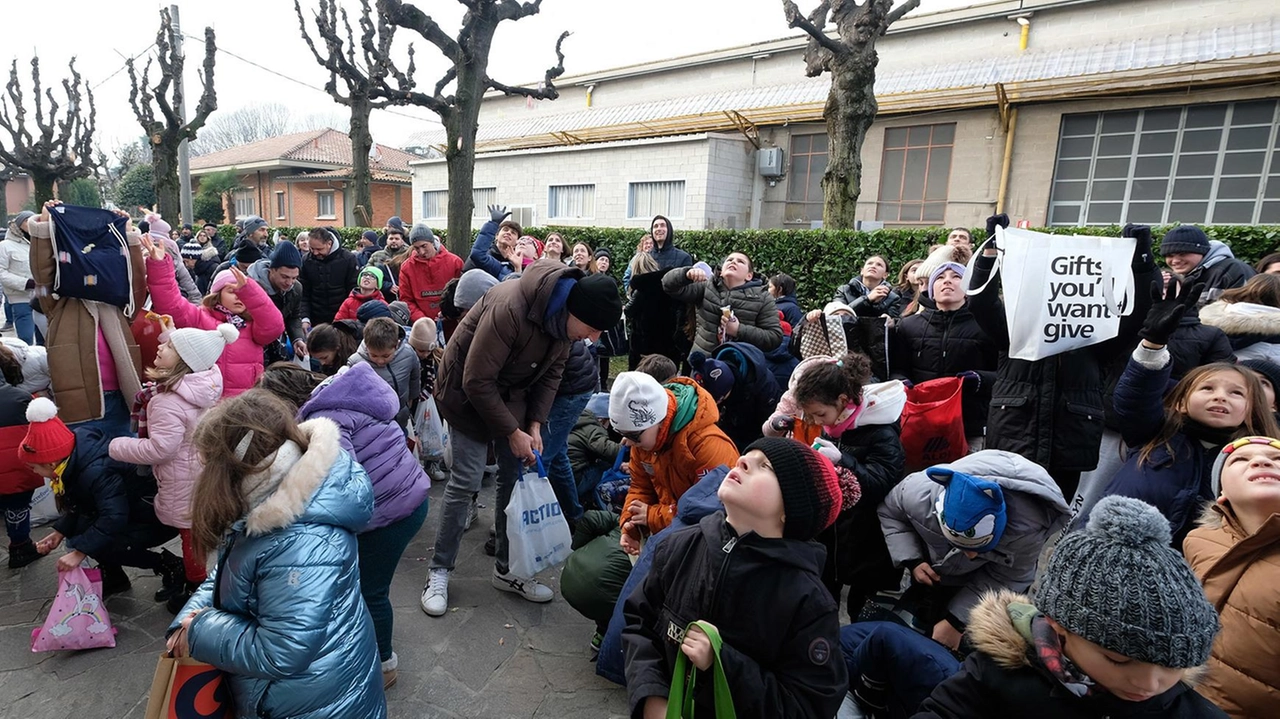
498	213
1001	219
1167	311
1142	236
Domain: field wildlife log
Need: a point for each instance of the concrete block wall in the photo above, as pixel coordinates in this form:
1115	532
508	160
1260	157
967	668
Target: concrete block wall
730	179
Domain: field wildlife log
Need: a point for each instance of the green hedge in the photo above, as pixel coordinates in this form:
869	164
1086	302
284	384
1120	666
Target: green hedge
821	260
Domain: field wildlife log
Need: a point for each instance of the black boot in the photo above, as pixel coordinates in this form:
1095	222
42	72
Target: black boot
20	555
172	575
114	580
179	600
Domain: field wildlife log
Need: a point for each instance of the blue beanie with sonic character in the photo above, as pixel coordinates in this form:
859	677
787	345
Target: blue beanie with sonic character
970	510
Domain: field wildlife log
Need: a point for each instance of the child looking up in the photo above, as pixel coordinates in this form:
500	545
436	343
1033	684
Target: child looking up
368	287
751	571
1236	553
1118	625
385	349
185	383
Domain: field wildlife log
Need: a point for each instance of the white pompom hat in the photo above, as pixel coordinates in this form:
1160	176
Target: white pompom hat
200	349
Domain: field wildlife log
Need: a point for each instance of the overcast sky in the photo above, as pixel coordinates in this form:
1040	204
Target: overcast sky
606	34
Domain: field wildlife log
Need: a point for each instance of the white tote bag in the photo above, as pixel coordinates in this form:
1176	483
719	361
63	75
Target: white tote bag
537	533
1061	292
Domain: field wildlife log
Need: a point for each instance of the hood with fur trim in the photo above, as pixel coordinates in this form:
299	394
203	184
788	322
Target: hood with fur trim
1242	318
321	485
882	403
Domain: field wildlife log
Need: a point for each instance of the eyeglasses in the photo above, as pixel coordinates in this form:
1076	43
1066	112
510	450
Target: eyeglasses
633	436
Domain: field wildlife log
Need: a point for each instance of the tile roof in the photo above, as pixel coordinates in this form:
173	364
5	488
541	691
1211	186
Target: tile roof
345	174
324	147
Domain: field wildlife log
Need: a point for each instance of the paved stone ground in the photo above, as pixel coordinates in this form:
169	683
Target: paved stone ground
493	655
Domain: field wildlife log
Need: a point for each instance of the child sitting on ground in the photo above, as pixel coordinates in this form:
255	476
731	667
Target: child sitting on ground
591	450
779	625
1116	630
385	349
185	383
368	287
1236	553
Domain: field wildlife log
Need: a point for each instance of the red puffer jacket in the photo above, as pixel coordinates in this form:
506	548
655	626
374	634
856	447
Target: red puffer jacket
422	282
15	475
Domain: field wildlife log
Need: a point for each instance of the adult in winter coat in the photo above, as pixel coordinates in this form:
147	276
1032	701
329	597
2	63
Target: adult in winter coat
423	276
998	547
1189	252
870	294
91	385
364	409
327	277
494	248
653	316
282	615
278	277
16	277
1050	410
1250	317
752	316
232	298
664	245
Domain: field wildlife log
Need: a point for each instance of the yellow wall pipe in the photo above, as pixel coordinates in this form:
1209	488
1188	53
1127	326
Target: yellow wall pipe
1022	40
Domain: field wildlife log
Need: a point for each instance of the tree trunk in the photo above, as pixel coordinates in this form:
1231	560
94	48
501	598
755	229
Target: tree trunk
851	108
43	187
361	145
164	178
460	130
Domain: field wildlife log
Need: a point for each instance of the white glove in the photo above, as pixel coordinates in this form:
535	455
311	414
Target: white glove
828	449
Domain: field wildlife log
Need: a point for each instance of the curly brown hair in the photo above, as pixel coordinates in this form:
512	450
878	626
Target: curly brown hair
825	382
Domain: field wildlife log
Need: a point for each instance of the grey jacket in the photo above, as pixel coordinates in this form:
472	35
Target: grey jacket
1034	507
758	322
404	374
289	303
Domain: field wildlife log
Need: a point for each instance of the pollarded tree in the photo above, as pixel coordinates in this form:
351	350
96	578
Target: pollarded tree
57	149
851	105
468	74
167	130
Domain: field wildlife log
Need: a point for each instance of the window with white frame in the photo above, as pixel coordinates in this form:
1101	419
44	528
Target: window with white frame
435	204
280	205
244	202
571	202
482	197
1201	163
646	199
326	207
526	215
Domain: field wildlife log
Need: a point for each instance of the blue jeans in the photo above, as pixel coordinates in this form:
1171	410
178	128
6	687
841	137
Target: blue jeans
17	516
23	324
380	551
115	417
555	451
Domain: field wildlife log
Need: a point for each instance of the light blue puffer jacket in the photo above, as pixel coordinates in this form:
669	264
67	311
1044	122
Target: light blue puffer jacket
293	632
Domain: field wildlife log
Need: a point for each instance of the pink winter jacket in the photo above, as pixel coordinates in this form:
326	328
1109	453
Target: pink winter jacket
171	421
241	363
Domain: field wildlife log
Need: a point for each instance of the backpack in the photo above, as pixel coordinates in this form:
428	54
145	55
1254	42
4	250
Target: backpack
92	255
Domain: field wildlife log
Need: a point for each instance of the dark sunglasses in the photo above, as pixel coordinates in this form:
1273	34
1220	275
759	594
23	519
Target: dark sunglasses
633	436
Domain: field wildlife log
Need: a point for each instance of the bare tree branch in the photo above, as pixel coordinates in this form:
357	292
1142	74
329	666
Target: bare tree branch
814	24
61	147
897	13
546	89
410	17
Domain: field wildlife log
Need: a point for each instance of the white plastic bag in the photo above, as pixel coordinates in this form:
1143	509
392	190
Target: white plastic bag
1061	293
537	533
427	424
44	508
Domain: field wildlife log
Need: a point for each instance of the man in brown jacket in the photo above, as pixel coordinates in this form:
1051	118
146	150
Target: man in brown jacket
497	382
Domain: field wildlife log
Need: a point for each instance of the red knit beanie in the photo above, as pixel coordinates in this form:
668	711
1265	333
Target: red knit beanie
48	440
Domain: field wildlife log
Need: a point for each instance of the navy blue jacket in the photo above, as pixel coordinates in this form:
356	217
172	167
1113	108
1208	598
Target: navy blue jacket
790	309
106	506
755	392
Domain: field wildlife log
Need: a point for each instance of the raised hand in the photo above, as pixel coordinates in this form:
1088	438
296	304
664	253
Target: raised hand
498	213
1001	220
1169	304
154	249
240	278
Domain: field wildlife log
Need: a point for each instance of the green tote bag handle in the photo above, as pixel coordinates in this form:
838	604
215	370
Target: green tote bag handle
680	700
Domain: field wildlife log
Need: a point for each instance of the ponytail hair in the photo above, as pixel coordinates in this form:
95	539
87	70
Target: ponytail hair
824	382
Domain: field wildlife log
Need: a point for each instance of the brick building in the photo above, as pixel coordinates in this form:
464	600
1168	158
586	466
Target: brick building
304	179
1114	111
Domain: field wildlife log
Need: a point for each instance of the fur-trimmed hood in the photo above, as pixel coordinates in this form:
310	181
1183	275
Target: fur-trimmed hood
1242	318
322	485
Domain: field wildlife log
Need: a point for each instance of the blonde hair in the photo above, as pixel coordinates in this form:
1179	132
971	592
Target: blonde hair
167	379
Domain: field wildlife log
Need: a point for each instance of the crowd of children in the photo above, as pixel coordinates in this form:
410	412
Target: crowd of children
728	518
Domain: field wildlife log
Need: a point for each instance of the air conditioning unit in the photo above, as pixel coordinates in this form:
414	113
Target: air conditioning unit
769	162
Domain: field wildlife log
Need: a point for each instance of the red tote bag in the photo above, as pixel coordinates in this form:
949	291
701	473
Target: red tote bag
933	424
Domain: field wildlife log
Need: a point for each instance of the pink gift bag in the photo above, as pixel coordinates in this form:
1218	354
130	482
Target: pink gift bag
78	618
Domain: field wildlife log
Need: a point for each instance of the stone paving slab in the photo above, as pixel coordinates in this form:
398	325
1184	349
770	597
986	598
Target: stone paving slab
493	655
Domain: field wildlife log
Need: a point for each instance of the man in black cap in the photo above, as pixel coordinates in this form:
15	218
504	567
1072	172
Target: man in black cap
278	275
1189	253
497	383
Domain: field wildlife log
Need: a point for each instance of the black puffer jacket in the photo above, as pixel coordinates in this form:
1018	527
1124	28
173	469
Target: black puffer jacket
1195	343
326	282
936	344
653	318
752	304
854	294
106	506
1051	411
856	551
780	628
581	371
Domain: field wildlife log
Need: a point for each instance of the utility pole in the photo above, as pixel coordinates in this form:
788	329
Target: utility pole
184	155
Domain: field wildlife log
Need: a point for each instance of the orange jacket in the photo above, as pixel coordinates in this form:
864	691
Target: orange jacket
660	476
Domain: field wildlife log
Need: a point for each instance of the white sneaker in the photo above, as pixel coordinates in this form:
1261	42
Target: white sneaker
530	589
473	513
435	596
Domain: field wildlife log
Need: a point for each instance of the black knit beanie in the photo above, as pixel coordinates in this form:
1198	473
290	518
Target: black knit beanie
594	300
810	491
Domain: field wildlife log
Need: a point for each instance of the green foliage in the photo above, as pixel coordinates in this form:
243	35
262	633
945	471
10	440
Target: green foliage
135	189
217	184
207	207
83	192
822	260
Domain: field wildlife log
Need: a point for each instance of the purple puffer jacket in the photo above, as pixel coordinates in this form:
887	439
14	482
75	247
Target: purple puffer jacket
364	407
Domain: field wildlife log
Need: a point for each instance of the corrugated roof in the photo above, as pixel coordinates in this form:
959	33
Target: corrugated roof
1141	61
323	147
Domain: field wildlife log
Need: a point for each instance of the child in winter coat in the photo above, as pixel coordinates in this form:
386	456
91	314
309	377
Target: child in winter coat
368	287
17	481
751	575
282	614
385	349
1175	439
108	512
426	344
1236	553
185	383
591	449
859	435
233	298
1116	630
972	526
